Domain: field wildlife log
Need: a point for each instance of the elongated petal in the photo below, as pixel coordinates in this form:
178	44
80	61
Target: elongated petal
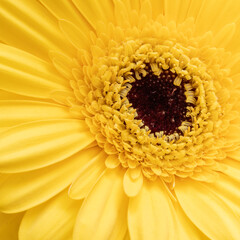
234	44
234	155
15	112
198	202
41	143
233	133
122	11
24	74
127	236
24	83
88	176
150	213
225	35
22	191
194	8
103	213
173	8
232	168
227	188
5	95
29	26
224	13
63	64
75	35
184	228
157	7
9	225
51	220
66	10
132	185
95	11
29	63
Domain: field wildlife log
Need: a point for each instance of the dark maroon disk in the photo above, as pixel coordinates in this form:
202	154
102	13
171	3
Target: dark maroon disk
159	103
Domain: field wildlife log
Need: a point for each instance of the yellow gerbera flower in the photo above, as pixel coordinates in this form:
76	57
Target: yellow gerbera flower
119	120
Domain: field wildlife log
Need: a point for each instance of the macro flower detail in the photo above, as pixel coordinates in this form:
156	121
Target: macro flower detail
119	120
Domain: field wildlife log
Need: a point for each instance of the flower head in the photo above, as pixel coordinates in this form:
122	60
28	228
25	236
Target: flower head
120	120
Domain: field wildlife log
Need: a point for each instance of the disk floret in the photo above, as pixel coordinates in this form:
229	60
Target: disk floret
111	113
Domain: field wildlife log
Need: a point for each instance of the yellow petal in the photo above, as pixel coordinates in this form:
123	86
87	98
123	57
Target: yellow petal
76	36
234	66
103	213
24	74
234	45
66	10
7	121
174	7
227	188
46	142
5	95
225	35
150	213
29	26
183	10
194	8
21	191
62	97
9	225
233	133
184	228
231	168
95	11
207	211
127	236
122	12
112	161
29	63
146	9
157	8
51	220
129	4
63	64
223	14
88	176
132	185
228	13
234	155
20	111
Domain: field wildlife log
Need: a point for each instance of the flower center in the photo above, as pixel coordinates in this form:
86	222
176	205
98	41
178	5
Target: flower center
160	101
151	105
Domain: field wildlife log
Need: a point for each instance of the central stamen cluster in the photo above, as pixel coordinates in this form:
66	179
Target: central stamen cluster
160	101
151	106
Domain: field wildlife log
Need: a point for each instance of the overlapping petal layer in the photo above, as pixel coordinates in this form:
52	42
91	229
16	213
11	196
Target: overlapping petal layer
23	19
9	225
106	217
25	74
50	82
194	197
53	219
21	191
41	143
